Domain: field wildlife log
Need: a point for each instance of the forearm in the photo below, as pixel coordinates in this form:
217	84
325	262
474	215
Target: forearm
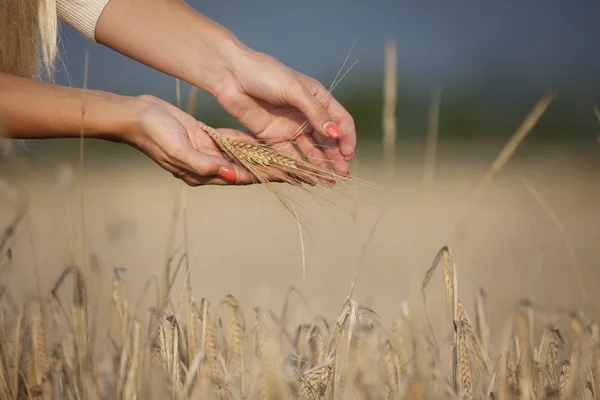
35	110
170	37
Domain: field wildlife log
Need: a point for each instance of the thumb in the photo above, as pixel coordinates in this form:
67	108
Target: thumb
316	113
207	166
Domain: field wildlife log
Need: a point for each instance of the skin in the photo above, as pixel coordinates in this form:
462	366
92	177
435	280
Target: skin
269	99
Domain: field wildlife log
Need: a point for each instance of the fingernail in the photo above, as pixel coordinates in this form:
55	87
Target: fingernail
349	157
227	174
332	130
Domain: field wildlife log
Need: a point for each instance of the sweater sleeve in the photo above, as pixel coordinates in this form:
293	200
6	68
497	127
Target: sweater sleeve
81	15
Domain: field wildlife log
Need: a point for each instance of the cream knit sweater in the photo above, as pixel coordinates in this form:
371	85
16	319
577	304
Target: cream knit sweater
81	15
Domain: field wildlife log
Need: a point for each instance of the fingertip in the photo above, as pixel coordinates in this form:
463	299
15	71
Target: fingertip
347	147
346	177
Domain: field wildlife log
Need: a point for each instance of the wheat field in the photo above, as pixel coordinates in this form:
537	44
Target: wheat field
392	292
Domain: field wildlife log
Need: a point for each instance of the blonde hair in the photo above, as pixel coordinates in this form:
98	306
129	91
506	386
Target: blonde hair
28	37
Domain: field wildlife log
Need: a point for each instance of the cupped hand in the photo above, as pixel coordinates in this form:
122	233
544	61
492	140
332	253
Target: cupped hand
173	139
273	102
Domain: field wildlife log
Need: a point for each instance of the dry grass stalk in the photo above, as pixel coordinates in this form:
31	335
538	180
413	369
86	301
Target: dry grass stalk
235	337
540	382
39	345
4	381
316	383
594	349
270	382
175	365
370	377
481	324
575	382
565	376
317	346
514	355
120	315
307	347
465	380
525	366
17	354
390	368
192	335
390	93
588	390
398	333
213	358
261	348
432	134
134	369
511	146
501	160
451	292
552	358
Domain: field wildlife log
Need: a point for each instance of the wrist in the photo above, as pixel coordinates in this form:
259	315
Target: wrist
219	63
117	119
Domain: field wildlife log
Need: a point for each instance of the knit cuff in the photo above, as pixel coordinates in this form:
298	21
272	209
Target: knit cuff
81	15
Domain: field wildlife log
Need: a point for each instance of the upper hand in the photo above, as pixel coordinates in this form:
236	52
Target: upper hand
273	102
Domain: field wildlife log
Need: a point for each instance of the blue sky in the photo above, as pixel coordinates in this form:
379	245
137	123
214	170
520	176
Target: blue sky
538	43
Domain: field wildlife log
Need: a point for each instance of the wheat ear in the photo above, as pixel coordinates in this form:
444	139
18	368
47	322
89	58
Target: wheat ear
264	162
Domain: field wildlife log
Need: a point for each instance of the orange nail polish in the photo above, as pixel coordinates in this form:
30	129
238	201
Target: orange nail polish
332	130
227	174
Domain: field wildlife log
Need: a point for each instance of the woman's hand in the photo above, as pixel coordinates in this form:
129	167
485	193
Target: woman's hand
172	139
273	102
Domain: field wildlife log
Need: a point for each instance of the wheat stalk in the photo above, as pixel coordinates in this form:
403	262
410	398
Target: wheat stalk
481	323
526	356
465	380
265	164
573	386
39	345
565	374
390	368
552	358
398	332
